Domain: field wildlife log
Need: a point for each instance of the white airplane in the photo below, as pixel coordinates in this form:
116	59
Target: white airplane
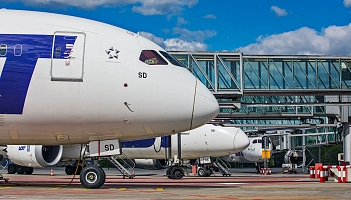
252	154
206	141
67	80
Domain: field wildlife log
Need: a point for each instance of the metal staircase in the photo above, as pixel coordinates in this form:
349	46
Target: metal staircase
124	164
223	167
3	165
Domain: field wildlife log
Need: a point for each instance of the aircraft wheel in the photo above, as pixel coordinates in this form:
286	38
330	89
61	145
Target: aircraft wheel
177	173
168	172
12	169
28	170
101	170
202	172
92	177
20	169
69	170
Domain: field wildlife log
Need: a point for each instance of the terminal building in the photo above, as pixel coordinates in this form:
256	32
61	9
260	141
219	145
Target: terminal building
279	92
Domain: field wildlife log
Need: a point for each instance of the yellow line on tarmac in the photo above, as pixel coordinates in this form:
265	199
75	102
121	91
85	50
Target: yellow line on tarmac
56	188
7	187
160	189
122	188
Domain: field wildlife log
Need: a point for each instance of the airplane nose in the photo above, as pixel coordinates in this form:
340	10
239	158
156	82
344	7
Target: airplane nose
205	106
241	141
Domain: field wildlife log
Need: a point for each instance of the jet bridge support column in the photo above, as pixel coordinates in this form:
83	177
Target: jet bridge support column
345	113
303	150
265	147
347	142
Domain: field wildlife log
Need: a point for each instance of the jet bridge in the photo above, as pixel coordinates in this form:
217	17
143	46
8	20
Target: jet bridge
269	87
269	90
234	74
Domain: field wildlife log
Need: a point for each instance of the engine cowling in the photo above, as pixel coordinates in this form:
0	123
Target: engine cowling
150	163
35	155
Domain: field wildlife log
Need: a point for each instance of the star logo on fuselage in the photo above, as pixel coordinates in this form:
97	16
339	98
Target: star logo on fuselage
112	53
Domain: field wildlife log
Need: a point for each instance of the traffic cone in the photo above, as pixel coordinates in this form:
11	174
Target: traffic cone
51	172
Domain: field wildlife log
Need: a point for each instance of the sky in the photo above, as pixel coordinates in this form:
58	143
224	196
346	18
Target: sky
307	27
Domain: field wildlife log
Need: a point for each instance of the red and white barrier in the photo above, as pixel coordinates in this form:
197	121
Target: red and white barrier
312	172
326	171
339	174
323	174
317	171
265	171
344	177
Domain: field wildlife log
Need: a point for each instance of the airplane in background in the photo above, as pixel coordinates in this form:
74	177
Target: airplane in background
67	80
208	141
252	154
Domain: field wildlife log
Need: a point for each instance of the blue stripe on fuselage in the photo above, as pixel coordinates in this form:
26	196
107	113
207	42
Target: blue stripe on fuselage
145	143
18	69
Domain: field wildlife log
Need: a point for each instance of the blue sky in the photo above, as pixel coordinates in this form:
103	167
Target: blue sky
251	26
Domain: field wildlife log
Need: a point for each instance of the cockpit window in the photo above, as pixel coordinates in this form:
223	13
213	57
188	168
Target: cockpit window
151	57
171	59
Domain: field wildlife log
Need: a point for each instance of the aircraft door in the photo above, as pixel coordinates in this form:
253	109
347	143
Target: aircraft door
67	57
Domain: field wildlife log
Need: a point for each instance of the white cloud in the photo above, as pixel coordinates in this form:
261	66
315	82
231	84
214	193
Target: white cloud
175	44
279	12
210	16
152	37
334	40
145	7
347	3
158	7
76	3
181	21
199	35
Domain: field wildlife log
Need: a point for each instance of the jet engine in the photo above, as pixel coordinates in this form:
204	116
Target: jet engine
34	155
150	163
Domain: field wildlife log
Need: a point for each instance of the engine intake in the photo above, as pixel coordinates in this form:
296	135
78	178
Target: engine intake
35	155
150	163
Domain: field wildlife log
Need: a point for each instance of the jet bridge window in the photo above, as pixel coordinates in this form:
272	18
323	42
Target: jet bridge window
171	59
151	57
3	49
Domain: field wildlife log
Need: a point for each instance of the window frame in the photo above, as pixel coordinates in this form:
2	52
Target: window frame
3	46
148	56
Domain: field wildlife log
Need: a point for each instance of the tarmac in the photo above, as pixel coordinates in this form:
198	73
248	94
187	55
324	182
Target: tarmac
152	184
